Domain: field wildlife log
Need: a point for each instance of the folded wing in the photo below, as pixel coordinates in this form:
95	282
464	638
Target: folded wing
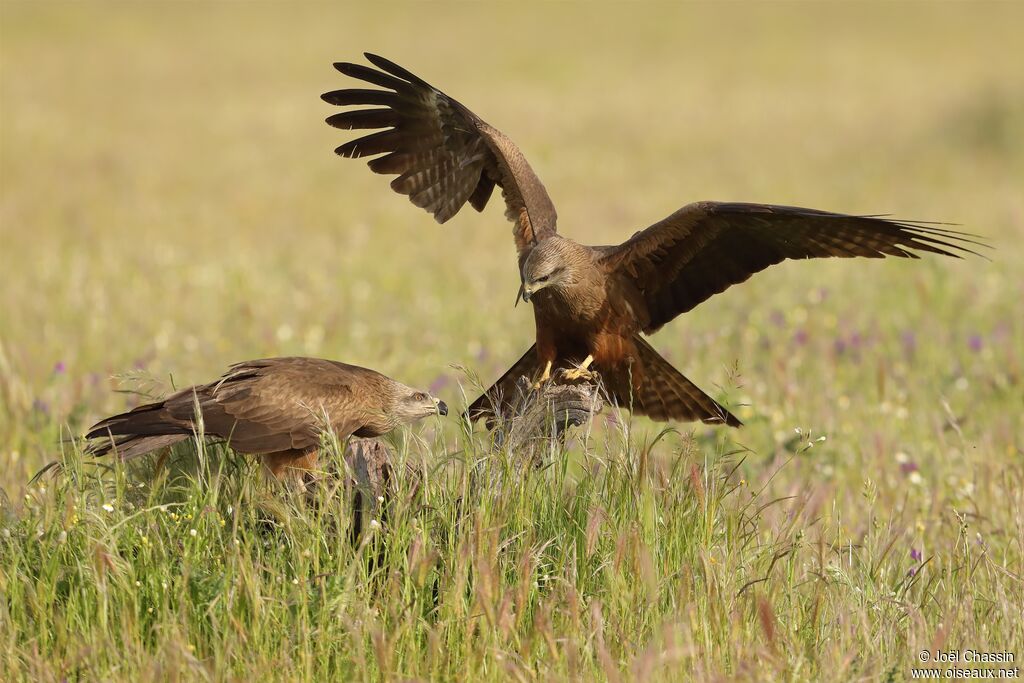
260	406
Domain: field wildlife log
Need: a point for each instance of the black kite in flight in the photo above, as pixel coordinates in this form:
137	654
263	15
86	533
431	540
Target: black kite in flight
591	304
276	408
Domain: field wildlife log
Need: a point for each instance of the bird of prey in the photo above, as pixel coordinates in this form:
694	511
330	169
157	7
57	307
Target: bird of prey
276	408
592	303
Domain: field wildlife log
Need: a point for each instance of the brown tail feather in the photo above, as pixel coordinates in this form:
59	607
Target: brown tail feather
129	447
664	394
503	391
136	432
146	420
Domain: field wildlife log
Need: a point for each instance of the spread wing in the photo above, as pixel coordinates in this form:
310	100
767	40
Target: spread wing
706	247
444	154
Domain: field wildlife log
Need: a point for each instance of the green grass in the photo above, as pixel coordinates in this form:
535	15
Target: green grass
169	204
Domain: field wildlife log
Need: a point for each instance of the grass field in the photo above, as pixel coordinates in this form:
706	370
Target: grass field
170	203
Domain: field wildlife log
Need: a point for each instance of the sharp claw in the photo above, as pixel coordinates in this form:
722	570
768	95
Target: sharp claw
580	373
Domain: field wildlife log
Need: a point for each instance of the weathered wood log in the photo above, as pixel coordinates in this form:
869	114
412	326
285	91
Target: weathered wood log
537	424
540	416
370	464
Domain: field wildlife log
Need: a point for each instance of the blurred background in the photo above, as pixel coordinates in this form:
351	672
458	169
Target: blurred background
170	203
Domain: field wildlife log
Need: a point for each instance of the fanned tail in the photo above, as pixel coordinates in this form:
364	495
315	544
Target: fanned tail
663	393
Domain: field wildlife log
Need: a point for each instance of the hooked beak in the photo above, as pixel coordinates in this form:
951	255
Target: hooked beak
442	408
524	293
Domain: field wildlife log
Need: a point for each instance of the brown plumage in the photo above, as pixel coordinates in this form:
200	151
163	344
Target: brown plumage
591	304
276	408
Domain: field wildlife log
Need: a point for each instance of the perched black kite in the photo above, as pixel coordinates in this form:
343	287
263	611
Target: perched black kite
591	304
276	408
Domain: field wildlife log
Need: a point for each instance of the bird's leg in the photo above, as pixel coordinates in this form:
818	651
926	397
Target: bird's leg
544	377
293	468
582	371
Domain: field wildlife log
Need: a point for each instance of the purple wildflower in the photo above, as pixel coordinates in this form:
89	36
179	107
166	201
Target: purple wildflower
59	367
909	342
974	343
440	382
908	467
915	556
777	318
801	337
856	340
41	406
840	346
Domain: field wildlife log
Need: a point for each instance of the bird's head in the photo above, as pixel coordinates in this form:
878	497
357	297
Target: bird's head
413	404
547	267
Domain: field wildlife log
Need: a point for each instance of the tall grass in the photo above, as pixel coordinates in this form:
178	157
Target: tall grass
620	559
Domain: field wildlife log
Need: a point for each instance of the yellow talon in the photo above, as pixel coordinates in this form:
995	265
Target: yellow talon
581	372
544	377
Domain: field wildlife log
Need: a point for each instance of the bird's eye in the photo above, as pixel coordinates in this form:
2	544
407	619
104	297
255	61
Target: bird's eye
544	278
419	396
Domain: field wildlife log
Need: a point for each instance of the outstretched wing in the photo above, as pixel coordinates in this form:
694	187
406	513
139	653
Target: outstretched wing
706	247
444	154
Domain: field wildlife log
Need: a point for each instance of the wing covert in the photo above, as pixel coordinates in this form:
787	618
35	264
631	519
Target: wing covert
283	403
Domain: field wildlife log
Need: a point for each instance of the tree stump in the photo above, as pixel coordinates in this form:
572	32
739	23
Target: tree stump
370	464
